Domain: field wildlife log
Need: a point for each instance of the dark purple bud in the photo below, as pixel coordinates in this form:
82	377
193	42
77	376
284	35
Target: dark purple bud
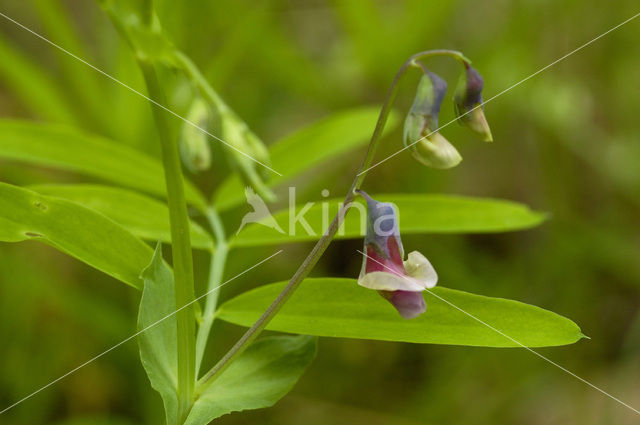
467	102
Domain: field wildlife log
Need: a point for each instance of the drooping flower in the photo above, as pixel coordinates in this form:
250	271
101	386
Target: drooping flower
467	102
421	134
383	269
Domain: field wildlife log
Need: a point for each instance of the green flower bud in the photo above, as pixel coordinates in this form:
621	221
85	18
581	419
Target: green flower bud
468	97
426	144
236	133
259	151
194	146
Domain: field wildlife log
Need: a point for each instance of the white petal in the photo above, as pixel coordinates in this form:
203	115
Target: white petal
383	281
419	268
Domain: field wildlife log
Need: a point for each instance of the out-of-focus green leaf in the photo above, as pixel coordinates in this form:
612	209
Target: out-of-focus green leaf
142	215
69	149
258	378
328	138
79	79
74	230
94	420
418	213
158	342
33	86
341	308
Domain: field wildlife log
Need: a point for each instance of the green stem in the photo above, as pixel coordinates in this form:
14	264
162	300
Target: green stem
147	12
196	76
307	265
216	271
181	244
440	52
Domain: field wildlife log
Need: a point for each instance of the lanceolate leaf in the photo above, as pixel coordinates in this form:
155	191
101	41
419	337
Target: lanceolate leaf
328	138
69	149
341	308
158	342
258	378
418	213
73	229
33	85
142	215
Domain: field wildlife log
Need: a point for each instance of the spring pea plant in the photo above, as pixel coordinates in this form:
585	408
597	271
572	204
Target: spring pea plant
110	226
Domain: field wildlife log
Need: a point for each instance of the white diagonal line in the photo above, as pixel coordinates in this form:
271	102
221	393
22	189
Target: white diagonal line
505	90
112	78
133	336
510	338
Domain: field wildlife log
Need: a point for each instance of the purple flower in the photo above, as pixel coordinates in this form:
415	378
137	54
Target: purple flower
383	269
467	102
421	134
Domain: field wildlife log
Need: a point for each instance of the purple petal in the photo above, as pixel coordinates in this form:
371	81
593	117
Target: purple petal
409	304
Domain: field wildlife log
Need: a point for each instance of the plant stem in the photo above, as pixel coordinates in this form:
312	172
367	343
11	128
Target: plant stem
216	271
439	52
196	76
307	265
147	12
181	244
310	261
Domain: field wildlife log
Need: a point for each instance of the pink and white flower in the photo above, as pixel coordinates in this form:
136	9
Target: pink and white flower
384	270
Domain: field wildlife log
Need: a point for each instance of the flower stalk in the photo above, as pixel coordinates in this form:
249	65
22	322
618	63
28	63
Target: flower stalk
310	261
216	271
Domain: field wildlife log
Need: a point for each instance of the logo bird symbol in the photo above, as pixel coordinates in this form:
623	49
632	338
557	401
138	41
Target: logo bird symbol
260	213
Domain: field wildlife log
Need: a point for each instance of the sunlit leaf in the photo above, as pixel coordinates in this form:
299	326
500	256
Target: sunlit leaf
72	229
328	138
158	342
418	213
258	378
340	308
69	149
142	215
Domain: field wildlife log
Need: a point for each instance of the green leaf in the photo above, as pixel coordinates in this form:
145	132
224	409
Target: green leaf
258	378
72	229
418	213
86	86
328	138
341	308
33	86
94	420
158	342
142	215
69	149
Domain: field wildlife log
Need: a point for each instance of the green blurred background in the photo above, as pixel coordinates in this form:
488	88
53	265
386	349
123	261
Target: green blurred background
566	142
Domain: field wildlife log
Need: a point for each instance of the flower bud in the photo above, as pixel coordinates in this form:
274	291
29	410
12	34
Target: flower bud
248	150
421	133
194	146
383	269
467	102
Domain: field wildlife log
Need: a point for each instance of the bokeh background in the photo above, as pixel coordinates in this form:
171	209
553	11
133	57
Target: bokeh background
566	142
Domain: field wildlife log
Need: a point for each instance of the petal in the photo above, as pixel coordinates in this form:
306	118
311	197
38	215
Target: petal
418	267
435	151
385	281
408	304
